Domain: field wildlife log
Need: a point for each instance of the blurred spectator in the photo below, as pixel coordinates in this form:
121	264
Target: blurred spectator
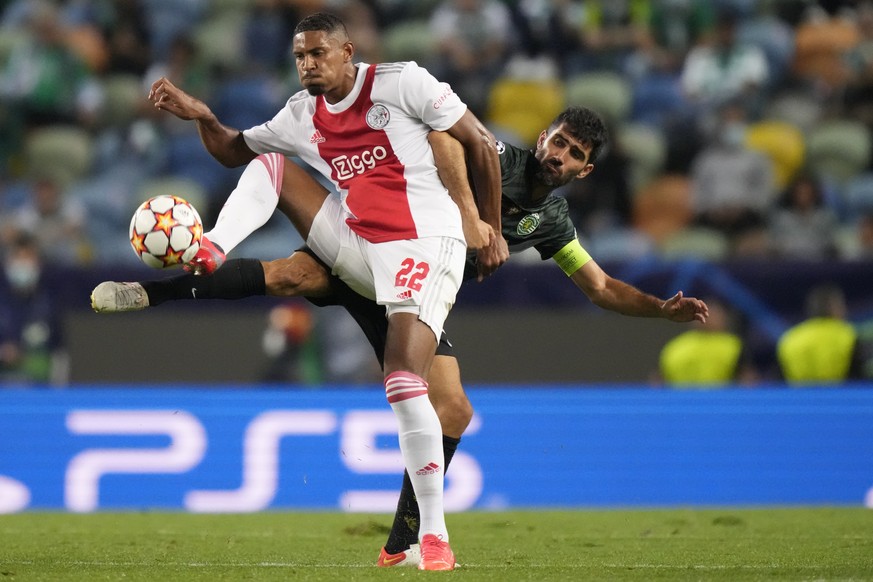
127	38
802	227
858	99
45	81
865	237
267	33
31	346
722	69
346	355
77	20
182	66
824	348
474	39
663	207
552	29
56	222
764	28
675	26
290	345
312	347
733	186
823	42
608	33
167	20
710	355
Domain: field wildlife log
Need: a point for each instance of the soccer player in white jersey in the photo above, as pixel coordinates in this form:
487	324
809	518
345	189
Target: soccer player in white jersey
394	234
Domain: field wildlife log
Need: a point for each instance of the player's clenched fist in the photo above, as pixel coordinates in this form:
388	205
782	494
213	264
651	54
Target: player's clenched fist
489	258
478	234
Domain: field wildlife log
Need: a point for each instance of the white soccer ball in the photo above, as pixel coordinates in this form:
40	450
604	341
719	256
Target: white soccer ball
165	231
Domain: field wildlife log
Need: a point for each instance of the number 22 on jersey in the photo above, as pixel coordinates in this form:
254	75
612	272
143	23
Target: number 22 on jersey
411	274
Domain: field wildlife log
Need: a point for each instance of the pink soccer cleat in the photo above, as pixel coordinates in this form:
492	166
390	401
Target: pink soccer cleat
207	260
436	554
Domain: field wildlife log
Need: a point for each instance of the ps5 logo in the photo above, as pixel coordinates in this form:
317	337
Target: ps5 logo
358	432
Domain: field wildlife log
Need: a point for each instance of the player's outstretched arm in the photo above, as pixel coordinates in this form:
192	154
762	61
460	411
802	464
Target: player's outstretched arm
448	154
224	143
609	293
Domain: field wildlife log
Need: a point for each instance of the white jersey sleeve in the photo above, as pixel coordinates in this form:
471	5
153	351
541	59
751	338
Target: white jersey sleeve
428	99
277	135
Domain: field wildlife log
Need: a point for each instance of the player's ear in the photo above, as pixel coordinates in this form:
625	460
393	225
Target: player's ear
541	139
348	51
585	171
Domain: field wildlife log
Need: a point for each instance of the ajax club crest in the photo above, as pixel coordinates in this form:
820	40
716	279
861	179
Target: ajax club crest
378	116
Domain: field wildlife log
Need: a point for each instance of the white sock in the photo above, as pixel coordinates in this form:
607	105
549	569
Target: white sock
252	202
421	442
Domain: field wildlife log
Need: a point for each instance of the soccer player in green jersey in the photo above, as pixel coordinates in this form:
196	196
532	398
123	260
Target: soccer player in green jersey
531	217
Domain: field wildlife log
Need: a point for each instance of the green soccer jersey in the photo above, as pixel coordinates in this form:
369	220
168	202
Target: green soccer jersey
544	224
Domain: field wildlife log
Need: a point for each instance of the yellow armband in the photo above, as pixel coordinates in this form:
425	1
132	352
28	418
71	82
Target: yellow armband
571	257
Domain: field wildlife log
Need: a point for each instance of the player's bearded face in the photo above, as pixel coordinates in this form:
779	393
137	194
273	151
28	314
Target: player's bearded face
561	159
551	174
553	170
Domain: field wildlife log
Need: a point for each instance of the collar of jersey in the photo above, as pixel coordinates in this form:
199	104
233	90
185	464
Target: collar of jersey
349	99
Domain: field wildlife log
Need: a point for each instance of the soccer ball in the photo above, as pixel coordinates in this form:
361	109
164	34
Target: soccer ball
165	231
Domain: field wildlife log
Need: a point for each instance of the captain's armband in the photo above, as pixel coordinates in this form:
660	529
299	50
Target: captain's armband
571	257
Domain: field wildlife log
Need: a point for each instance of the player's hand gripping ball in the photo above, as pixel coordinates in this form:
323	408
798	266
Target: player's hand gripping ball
165	231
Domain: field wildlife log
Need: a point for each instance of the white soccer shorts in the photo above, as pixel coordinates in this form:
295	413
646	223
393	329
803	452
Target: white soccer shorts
420	276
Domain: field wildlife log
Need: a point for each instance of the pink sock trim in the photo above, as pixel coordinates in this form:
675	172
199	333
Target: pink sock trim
275	164
400	386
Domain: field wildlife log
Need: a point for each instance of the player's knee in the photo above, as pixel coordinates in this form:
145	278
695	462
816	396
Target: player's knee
294	278
455	413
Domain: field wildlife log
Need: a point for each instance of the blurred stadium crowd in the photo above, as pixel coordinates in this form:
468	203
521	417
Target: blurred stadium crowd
740	128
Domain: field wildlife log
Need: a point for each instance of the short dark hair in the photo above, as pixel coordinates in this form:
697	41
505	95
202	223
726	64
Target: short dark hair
22	240
584	125
322	22
825	300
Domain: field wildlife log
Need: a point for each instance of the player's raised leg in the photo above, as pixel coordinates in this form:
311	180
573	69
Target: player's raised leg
299	275
267	182
248	208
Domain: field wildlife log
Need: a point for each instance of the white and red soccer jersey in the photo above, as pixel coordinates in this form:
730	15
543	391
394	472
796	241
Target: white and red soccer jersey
373	146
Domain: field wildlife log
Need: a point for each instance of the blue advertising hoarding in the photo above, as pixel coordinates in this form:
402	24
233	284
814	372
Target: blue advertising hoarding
236	450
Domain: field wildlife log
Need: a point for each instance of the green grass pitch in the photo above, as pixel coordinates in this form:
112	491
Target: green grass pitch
669	544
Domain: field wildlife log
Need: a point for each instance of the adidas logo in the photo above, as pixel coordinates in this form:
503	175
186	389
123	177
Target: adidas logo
428	469
317	137
405	295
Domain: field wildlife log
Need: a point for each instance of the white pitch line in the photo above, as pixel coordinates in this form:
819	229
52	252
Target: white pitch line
699	567
707	566
110	564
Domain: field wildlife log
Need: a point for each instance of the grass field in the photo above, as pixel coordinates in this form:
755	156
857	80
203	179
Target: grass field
681	544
